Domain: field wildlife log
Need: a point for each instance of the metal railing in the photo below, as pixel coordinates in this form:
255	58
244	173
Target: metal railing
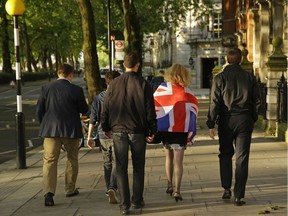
263	93
282	99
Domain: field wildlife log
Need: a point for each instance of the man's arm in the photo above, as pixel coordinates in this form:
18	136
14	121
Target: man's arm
256	99
150	113
94	118
104	117
214	107
40	108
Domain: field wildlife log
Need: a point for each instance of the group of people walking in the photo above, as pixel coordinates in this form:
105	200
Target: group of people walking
128	115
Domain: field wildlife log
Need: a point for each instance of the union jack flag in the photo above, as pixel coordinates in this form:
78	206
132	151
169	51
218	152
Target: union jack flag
176	108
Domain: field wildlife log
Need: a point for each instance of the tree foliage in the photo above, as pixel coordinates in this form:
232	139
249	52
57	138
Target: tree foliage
55	28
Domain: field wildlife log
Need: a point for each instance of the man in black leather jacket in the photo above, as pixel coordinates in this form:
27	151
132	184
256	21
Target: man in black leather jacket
129	112
234	107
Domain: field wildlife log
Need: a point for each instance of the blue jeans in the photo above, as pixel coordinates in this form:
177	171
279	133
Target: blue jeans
137	144
106	146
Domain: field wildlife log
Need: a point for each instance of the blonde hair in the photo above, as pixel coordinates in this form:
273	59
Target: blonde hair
178	74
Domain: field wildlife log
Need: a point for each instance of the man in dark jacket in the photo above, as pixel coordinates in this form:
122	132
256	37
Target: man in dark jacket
129	112
58	110
234	105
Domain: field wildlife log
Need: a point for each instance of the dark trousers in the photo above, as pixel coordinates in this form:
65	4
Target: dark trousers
137	144
235	137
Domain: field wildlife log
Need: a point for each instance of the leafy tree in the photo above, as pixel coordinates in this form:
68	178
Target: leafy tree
7	67
92	74
49	24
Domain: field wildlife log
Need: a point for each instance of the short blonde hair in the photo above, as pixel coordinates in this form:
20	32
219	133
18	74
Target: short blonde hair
178	74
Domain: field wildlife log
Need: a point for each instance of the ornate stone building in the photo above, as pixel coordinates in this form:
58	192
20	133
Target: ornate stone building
194	44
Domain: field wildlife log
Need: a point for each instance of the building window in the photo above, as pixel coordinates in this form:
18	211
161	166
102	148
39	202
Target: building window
217	25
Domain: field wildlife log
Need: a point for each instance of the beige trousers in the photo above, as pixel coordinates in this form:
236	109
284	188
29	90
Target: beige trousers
52	148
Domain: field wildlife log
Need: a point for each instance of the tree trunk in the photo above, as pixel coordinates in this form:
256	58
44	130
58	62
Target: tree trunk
44	58
28	52
132	30
7	66
91	65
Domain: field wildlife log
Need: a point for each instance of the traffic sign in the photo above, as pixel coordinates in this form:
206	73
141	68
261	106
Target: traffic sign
119	45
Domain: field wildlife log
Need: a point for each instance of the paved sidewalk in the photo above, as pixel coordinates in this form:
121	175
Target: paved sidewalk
21	190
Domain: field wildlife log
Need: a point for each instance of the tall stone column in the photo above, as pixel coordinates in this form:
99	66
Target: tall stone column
277	64
256	42
263	46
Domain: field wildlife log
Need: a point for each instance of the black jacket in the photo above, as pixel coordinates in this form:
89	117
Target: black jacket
129	106
233	92
58	109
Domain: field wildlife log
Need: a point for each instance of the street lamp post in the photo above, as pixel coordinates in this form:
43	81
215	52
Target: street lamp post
16	8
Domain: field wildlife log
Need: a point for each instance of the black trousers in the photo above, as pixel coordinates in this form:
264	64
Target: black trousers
137	144
235	134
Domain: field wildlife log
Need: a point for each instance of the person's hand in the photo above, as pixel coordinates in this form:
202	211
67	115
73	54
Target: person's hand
190	141
108	134
90	143
212	133
150	138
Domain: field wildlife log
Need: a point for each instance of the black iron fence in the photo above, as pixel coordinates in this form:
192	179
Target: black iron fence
263	93
281	99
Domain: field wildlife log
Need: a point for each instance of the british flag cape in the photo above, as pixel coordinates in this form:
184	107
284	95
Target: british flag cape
176	108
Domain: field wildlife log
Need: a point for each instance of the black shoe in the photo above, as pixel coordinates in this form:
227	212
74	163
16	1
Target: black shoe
124	211
138	205
48	201
75	193
239	202
177	196
226	194
112	196
169	190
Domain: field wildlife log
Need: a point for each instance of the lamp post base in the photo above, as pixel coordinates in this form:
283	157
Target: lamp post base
20	138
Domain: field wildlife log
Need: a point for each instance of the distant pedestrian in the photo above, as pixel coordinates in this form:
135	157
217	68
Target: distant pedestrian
233	106
156	81
58	110
106	144
177	110
128	111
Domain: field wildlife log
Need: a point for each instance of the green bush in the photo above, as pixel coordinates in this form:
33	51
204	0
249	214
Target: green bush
5	78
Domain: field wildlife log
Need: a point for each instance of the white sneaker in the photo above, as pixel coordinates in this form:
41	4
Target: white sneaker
112	196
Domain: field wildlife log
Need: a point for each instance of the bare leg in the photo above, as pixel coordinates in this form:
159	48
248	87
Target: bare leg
178	168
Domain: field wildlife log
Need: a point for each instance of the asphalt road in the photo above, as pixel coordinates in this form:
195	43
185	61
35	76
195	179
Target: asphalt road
8	108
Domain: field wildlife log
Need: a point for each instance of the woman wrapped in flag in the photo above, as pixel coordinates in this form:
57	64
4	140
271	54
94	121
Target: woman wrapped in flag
176	108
